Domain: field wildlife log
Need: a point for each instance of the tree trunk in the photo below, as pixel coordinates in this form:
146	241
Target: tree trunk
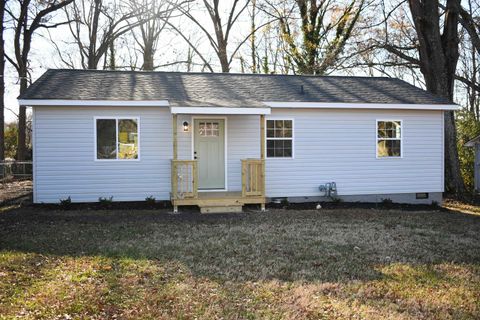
112	63
148	58
223	56
2	84
253	38
22	120
439	54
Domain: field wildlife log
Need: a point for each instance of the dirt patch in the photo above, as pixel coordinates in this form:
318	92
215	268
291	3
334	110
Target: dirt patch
15	191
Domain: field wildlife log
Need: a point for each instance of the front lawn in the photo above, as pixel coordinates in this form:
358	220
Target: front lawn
340	263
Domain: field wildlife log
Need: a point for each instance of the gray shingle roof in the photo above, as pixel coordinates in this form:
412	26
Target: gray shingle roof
223	89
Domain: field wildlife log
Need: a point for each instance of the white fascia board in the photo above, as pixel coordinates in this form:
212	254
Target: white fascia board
93	103
325	105
218	110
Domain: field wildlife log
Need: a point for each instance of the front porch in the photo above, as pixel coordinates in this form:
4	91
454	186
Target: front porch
185	181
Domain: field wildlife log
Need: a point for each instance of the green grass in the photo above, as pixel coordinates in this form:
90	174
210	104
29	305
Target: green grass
348	263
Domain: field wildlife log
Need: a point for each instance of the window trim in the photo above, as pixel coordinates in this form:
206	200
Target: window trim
116	118
377	138
292	138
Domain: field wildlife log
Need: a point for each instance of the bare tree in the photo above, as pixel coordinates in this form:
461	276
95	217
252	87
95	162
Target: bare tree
219	40
147	34
27	17
96	24
436	52
324	26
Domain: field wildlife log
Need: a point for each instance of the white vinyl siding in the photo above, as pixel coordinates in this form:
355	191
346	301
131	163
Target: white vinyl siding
65	156
331	145
340	146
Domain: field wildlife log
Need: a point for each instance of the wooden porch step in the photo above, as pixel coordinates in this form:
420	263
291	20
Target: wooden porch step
221	209
219	202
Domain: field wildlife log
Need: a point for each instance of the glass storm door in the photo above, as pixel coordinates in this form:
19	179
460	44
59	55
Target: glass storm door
209	150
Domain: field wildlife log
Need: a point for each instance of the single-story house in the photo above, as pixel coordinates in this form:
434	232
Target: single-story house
220	141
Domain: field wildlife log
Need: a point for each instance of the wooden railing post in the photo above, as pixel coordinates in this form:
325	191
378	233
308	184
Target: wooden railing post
244	178
195	179
174	180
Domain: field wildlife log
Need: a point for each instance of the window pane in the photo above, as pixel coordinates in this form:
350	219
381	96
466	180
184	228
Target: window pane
389	148
127	139
279	148
271	153
382	148
389	129
394	148
270	124
278	133
106	139
270	133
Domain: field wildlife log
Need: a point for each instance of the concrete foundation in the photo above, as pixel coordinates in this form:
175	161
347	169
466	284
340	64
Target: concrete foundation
409	198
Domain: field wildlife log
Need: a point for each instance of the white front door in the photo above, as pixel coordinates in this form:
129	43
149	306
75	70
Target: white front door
209	150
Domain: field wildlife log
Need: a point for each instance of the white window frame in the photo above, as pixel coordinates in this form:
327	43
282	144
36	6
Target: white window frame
116	118
283	138
378	139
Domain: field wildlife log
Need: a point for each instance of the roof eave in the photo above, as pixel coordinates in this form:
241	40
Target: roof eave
93	103
343	105
221	110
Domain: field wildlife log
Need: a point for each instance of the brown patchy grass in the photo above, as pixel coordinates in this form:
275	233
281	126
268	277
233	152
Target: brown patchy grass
285	264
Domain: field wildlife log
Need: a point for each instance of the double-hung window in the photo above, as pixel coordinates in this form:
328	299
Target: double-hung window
116	138
279	138
389	138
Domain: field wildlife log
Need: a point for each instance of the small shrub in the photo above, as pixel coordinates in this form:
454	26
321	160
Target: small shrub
435	204
66	202
336	199
284	202
150	200
105	200
387	201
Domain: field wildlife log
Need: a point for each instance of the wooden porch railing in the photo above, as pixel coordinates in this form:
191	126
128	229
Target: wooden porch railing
253	177
184	179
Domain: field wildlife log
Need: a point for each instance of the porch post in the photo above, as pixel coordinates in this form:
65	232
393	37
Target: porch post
262	137
262	156
174	164
174	126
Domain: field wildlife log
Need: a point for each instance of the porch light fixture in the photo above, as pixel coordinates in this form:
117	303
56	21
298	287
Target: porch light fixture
185	126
